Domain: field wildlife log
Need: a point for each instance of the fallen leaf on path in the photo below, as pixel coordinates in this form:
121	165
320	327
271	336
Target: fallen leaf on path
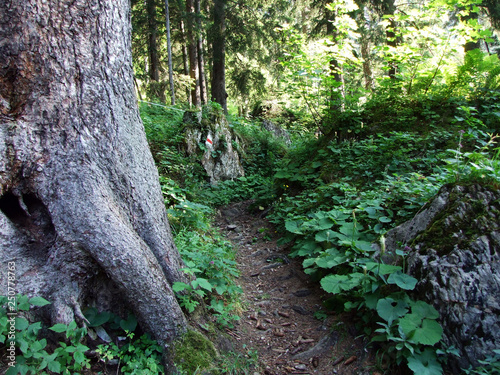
350	360
338	361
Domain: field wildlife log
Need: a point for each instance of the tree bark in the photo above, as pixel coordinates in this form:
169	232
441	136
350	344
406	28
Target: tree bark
201	60
156	88
218	89
336	83
199	53
81	211
185	61
388	9
169	51
192	52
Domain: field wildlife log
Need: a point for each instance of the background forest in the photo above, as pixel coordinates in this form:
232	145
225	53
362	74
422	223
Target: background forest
382	103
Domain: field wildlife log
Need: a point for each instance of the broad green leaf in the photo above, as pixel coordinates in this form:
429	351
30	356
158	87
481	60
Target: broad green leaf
179	286
220	289
425	363
349	230
324	223
390	309
381	268
309	262
15	370
130	324
294	226
38	345
79	357
39	301
424	310
384	219
331	261
54	366
402	280
23	345
337	283
426	331
203	283
371	300
307	248
21	324
59	328
326	235
100	319
364	246
23	303
372	212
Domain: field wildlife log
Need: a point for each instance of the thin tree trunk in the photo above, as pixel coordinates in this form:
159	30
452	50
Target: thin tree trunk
388	9
365	54
192	52
81	210
169	51
156	88
218	89
336	97
185	60
201	61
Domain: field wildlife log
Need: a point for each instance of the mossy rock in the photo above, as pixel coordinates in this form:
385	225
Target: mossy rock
193	351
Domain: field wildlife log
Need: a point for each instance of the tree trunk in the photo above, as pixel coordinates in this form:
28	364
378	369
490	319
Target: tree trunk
336	80
388	9
365	52
81	211
169	51
192	52
218	88
156	88
201	61
185	60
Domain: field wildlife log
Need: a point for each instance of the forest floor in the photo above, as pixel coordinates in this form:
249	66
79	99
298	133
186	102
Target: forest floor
283	318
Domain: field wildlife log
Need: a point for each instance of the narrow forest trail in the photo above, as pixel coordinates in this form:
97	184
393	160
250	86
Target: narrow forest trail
280	303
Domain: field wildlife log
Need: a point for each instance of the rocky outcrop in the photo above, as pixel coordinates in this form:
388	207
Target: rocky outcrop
454	245
209	137
277	131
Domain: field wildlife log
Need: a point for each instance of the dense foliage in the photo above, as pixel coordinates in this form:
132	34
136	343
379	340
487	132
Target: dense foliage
332	198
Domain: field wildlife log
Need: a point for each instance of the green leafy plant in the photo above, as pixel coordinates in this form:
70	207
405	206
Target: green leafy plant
137	356
67	357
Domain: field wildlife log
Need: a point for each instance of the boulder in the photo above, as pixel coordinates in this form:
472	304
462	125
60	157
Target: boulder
453	247
209	137
277	130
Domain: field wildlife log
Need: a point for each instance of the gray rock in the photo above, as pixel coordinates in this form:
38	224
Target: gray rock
455	243
277	130
218	156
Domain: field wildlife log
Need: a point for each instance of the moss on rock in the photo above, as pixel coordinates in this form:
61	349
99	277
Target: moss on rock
193	351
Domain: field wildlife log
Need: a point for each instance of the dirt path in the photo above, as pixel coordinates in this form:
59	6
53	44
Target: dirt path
283	318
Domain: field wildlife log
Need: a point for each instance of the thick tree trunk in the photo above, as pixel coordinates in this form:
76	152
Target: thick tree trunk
81	212
218	89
